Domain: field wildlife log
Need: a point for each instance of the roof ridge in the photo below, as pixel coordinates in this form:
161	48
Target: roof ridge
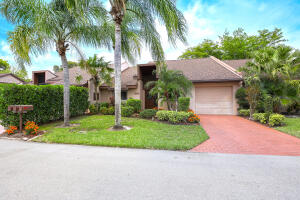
226	66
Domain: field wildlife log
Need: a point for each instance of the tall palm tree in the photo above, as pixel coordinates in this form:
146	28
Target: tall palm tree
170	85
40	26
139	16
99	71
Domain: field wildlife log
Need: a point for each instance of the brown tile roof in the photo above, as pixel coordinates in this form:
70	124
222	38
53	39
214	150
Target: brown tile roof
236	63
73	73
205	70
11	74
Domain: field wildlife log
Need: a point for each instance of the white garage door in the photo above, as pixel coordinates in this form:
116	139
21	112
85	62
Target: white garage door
214	100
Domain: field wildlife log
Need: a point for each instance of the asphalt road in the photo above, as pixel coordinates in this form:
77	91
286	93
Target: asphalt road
70	172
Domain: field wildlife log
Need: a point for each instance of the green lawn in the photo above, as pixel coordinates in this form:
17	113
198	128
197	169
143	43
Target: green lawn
292	127
144	134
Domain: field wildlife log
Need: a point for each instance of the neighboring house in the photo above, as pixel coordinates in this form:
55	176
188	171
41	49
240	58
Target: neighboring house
11	78
214	83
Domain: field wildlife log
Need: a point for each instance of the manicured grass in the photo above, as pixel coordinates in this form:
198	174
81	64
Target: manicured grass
144	134
292	127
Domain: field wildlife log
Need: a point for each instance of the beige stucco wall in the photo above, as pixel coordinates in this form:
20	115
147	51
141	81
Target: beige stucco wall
133	93
105	95
49	75
10	79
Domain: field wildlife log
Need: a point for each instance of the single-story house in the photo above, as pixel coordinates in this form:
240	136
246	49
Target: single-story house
11	78
214	83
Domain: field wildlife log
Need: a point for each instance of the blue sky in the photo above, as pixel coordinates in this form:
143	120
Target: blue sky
206	19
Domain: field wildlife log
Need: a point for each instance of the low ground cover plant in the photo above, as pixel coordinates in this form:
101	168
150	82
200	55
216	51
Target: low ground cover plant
194	118
261	117
148	113
173	116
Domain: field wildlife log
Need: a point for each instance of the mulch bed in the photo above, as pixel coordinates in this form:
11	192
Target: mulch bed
20	136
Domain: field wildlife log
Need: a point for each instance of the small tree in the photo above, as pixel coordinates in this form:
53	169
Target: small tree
170	85
99	71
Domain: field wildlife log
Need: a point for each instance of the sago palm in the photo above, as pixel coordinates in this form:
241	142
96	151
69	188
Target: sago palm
42	26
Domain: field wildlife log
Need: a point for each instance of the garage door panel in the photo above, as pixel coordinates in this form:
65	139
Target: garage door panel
214	100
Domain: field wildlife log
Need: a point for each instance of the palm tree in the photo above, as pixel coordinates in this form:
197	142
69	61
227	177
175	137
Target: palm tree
41	26
139	17
170	85
99	71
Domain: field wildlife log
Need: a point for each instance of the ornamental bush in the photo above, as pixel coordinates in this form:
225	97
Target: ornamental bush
244	112
240	95
93	108
183	103
47	101
276	119
148	113
111	110
127	111
104	104
261	117
268	105
135	103
162	115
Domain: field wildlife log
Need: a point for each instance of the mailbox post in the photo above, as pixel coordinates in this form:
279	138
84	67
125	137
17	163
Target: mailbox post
20	109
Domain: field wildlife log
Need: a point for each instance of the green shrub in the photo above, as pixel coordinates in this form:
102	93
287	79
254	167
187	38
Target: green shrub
241	95
148	113
136	104
173	116
162	115
276	119
183	103
111	110
104	110
93	108
104	104
261	117
127	111
244	112
47	101
178	117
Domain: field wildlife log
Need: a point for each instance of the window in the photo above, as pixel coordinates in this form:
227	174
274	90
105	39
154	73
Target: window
124	95
96	96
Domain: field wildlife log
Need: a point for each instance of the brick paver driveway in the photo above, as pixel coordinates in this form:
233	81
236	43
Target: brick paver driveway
233	134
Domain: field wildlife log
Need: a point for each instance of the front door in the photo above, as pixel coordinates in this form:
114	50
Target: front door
150	101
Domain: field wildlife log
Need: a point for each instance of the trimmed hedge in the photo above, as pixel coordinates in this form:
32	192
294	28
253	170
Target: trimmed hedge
148	113
183	103
135	103
47	101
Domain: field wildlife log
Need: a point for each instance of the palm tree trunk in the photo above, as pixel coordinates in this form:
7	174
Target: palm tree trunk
66	89
117	62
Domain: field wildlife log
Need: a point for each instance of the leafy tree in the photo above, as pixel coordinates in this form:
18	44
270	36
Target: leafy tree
3	65
40	26
71	64
99	71
205	49
170	85
238	45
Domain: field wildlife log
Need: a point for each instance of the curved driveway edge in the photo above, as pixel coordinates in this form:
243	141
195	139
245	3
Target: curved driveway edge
233	134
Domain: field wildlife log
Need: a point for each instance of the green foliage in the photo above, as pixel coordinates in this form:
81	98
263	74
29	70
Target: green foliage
104	104
241	96
261	117
148	113
127	111
276	119
183	103
244	112
4	65
47	101
170	86
173	116
135	103
268	105
162	115
107	110
93	108
238	45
